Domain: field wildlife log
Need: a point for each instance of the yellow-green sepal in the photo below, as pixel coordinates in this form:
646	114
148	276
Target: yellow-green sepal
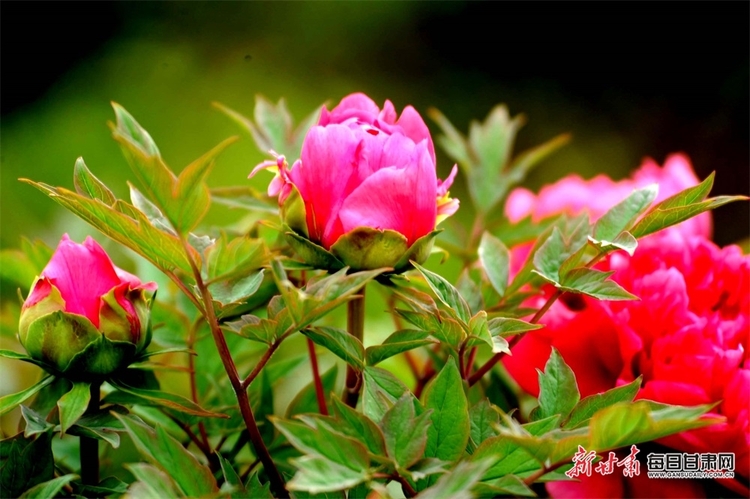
365	248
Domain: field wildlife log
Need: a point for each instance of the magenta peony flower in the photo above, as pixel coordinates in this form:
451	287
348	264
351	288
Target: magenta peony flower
365	188
85	317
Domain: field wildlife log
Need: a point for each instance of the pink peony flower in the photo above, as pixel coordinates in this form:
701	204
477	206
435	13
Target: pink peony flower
362	167
574	195
84	316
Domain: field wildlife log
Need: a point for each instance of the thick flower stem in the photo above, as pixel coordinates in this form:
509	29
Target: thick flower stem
319	393
89	447
355	322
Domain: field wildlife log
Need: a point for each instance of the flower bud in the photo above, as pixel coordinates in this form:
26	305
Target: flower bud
84	317
365	192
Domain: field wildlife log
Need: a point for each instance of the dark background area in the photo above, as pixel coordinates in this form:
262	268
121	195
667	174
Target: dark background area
627	79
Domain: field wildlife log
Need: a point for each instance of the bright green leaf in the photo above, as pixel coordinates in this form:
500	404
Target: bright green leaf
446	293
152	482
558	391
9	402
398	342
73	404
316	474
621	216
405	433
339	342
380	391
49	488
586	408
594	283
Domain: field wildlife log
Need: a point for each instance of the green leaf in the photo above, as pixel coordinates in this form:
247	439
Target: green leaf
101	425
88	185
558	391
162	450
73	404
424	468
152	482
625	424
621	216
586	408
49	488
483	419
242	254
125	224
339	342
254	328
306	400
10	354
358	426
380	391
495	260
230	475
244	197
163	399
457	483
27	463
594	283
405	433
35	422
323	442
316	474
681	206
480	333
550	256
446	293
235	289
107	487
9	402
399	342
449	433
505	327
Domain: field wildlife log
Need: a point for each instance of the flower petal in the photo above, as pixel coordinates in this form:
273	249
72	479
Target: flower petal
82	273
400	199
414	127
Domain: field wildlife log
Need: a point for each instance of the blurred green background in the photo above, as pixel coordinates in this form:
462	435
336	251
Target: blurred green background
628	80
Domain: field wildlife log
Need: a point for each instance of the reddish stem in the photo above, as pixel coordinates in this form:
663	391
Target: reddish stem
316	378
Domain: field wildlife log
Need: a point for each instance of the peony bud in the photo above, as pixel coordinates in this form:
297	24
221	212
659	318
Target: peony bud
365	192
84	317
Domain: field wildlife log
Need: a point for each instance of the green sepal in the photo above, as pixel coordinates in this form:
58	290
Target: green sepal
57	337
418	252
115	321
311	253
365	248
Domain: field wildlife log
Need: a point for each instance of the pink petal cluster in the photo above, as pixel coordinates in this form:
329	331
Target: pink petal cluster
83	273
574	195
366	167
688	336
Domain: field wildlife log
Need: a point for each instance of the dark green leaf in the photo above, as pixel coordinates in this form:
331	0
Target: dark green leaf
399	342
73	404
587	407
9	402
449	433
107	487
558	391
405	433
49	488
483	419
339	342
193	478
28	463
101	425
495	260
